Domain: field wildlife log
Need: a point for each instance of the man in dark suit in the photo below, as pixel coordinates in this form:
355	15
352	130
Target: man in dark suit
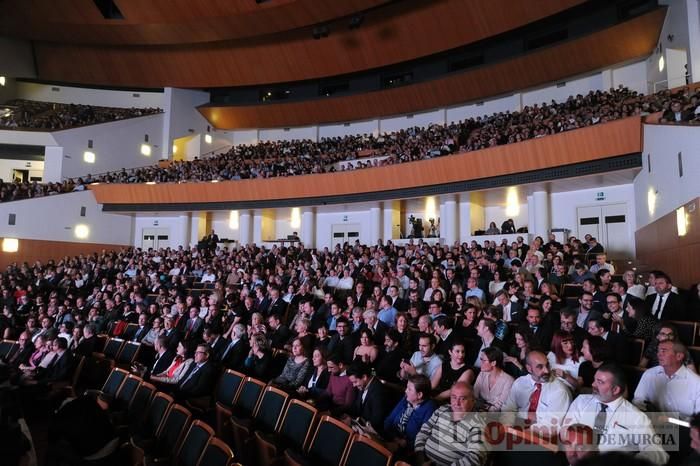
342	342
376	326
194	326
371	403
617	342
200	378
665	304
88	343
446	336
60	368
217	343
675	114
171	334
541	334
512	312
142	330
567	323
397	302
164	357
279	333
237	350
277	306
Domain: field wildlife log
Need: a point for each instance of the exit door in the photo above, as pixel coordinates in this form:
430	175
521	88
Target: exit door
609	225
344	233
155	238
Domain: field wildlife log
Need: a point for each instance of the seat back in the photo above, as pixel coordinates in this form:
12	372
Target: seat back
364	451
128	353
229	385
140	401
297	424
248	397
634	355
173	428
128	389
194	443
633	375
114	381
686	331
113	347
217	453
269	410
330	442
101	342
7	348
156	412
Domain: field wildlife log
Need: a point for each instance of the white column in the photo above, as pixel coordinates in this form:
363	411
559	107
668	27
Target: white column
53	164
464	224
693	7
540	215
375	225
257	226
388	221
185	231
449	219
308	227
607	76
245	226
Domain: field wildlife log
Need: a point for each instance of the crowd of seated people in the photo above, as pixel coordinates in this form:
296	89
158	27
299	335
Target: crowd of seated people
416	344
31	114
302	157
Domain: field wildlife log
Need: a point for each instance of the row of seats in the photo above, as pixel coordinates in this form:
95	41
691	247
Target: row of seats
160	430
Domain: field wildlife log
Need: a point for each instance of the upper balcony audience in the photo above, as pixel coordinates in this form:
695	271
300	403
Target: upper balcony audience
439	378
22	114
272	159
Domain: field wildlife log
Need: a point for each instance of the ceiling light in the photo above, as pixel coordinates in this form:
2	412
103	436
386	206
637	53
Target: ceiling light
2	80
10	245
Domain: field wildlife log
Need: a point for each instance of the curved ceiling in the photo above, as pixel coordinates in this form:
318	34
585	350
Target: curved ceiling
417	30
154	22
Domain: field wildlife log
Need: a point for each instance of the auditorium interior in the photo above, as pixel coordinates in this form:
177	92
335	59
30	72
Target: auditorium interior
367	232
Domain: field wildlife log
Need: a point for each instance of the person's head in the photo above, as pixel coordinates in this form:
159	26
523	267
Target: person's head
671	355
609	383
335	364
596	349
579	443
662	283
491	358
392	340
426	345
201	354
666	331
461	398
60	344
259	342
614	302
486	329
370	318
637	308
563	346
494	313
318	357
568	320
161	344
297	348
534	316
457	352
442	325
597	327
342	326
425	324
417	389
537	366
360	375
181	349
365	337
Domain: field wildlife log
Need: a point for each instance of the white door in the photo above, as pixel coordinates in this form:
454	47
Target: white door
589	222
344	233
609	225
155	238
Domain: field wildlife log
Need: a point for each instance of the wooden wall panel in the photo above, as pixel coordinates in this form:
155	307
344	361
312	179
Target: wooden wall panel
608	140
627	41
433	27
31	250
169	21
659	246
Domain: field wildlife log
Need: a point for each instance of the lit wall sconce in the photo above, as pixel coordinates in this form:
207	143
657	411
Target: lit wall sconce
82	231
682	221
2	80
662	63
651	200
430	208
174	149
10	245
146	147
207	137
295	221
89	155
233	220
512	202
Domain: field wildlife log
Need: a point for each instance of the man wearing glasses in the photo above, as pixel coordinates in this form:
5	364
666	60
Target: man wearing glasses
586	311
199	380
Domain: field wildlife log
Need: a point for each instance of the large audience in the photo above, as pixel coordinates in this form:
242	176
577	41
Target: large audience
20	114
303	157
412	345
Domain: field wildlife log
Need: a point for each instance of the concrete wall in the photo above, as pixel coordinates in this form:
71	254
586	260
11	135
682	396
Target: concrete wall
660	172
54	218
87	96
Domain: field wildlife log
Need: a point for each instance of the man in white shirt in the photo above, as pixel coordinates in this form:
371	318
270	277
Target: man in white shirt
539	399
601	263
617	422
670	386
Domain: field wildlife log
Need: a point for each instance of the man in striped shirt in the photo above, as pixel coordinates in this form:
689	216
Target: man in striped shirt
453	435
